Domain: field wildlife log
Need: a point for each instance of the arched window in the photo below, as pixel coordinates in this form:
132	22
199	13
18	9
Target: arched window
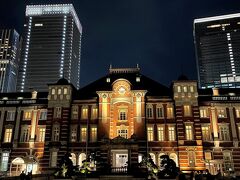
82	157
73	158
149	111
174	157
159	159
153	157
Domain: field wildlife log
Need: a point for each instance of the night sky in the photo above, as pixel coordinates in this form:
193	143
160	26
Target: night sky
156	34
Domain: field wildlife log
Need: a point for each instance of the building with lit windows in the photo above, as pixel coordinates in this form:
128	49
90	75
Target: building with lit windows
51	47
9	59
118	119
217	51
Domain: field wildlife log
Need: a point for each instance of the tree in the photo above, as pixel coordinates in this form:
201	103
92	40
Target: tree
66	167
168	167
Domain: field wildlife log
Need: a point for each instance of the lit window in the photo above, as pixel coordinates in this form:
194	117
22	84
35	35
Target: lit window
59	91
224	133
8	135
221	113
122	114
73	133
189	133
65	91
25	132
73	159
83	134
123	132
227	161
161	133
43	115
94	112
179	89
53	91
108	80
191	158
185	89
84	112
187	110
159	112
137	79
27	115
169	112
10	116
203	113
57	112
206	133
171	133
149	111
238	113
75	112
191	89
55	132
41	134
53	159
4	161
208	155
150	133
93	134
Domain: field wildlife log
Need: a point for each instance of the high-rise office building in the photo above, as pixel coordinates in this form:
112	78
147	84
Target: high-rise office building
217	43
9	59
51	47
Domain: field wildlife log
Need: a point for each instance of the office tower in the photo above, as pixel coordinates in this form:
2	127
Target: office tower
217	44
9	59
51	47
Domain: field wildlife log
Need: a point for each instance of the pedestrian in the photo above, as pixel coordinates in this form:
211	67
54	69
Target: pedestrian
22	176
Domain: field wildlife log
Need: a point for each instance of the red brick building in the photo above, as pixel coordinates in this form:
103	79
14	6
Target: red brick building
118	119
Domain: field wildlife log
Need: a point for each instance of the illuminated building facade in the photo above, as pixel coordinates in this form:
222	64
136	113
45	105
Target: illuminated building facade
9	59
118	119
51	47
217	46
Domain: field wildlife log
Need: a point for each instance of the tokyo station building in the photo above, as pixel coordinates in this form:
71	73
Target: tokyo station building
120	118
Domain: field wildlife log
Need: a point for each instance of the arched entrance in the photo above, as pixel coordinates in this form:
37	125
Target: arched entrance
26	164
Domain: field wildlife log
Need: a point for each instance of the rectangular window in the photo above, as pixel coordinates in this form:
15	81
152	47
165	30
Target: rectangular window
203	113
187	111
94	112
75	112
93	134
159	112
25	132
161	133
65	91
169	112
122	115
53	159
179	89
55	132
171	133
206	133
43	115
237	113
191	158
122	133
8	135
83	134
41	134
221	113
84	112
189	133
208	155
227	160
185	89
224	133
10	116
150	133
149	112
27	115
73	133
191	89
4	161
57	112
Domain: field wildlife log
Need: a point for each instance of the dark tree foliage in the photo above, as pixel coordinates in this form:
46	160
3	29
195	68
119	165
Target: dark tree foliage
66	168
168	168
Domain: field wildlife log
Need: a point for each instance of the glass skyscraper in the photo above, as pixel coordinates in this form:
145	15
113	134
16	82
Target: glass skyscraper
51	47
217	44
9	59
